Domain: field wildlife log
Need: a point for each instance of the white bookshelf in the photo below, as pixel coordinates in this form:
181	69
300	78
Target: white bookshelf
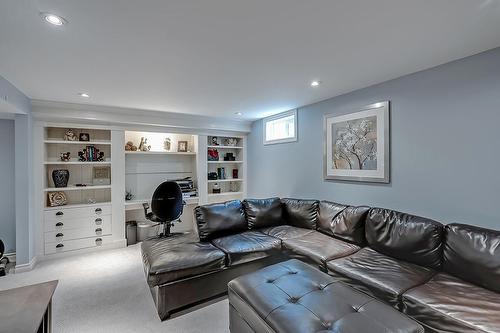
231	187
85	221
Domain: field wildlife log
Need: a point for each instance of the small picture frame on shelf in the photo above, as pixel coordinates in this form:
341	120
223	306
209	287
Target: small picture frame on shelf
84	137
182	146
101	176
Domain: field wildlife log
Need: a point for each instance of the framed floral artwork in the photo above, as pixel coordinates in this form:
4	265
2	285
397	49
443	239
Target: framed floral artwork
357	146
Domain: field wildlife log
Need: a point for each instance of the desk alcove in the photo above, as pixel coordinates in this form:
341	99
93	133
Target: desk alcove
145	170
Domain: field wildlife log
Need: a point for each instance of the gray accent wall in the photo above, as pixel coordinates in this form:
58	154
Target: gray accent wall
445	146
7	189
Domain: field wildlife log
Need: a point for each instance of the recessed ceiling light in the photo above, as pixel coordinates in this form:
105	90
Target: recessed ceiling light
238	113
53	19
84	95
315	83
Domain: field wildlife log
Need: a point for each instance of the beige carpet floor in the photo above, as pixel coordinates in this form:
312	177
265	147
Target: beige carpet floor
107	292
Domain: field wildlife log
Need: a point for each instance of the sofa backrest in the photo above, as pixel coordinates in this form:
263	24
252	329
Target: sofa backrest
327	211
261	213
473	254
300	213
403	236
220	219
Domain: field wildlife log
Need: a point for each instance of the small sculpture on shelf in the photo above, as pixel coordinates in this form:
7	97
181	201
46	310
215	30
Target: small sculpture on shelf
229	157
128	195
214	141
216	188
143	146
81	155
167	144
213	154
57	199
231	142
100	157
70	135
65	157
130	146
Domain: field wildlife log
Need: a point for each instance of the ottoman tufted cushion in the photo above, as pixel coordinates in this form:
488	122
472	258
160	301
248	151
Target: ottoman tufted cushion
294	297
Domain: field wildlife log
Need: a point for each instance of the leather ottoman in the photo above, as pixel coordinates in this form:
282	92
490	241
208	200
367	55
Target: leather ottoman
294	297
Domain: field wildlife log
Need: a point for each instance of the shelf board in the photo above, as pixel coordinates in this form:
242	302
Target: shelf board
225	180
137	204
107	203
76	163
224	162
95	142
224	194
226	147
77	188
189	153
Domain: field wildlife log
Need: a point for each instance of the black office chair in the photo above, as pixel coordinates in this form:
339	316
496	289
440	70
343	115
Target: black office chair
166	205
3	260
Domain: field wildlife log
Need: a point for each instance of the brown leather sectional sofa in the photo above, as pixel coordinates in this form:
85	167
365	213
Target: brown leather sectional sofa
445	277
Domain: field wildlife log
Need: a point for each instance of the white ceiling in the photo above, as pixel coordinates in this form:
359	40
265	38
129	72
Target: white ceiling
217	57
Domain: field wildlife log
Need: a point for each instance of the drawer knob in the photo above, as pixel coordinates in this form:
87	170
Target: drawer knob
58	246
98	210
59	214
98	221
98	230
60	234
59	224
98	241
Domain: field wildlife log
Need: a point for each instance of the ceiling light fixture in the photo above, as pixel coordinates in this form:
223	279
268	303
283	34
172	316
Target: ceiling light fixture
315	83
53	19
84	95
238	113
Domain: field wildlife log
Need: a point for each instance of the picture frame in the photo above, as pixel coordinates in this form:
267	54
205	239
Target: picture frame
101	175
357	145
84	137
182	146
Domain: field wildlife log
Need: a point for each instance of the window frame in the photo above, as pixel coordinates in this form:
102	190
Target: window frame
279	116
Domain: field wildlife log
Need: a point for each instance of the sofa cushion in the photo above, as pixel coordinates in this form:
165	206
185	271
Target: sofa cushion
285	232
343	222
473	254
300	213
170	259
379	275
319	248
327	211
220	219
404	236
448	304
247	246
263	213
293	297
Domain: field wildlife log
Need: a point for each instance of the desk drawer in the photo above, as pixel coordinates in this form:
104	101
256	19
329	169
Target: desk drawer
69	234
76	244
63	214
90	223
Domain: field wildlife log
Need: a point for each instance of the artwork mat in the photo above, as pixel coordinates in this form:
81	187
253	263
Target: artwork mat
381	175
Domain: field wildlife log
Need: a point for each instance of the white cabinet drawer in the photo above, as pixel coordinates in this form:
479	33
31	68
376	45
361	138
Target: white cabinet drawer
77	223
76	244
69	234
79	212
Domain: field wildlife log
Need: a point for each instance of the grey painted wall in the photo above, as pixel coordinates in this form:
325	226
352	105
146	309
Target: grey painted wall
7	204
445	146
12	100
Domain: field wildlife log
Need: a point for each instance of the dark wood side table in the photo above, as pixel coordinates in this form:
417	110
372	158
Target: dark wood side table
27	309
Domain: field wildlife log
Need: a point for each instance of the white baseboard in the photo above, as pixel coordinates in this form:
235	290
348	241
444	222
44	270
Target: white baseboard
26	267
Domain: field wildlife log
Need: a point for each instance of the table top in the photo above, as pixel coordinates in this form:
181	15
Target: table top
22	309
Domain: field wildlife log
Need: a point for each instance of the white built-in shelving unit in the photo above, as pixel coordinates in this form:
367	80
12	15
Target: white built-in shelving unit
85	220
230	187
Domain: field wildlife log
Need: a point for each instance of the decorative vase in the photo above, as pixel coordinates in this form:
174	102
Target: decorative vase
60	178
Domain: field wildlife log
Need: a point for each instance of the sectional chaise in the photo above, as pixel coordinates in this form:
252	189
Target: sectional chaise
447	278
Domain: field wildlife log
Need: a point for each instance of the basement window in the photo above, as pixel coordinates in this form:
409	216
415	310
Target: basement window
280	128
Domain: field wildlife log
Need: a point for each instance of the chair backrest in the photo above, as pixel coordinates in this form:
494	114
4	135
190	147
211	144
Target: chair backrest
167	202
